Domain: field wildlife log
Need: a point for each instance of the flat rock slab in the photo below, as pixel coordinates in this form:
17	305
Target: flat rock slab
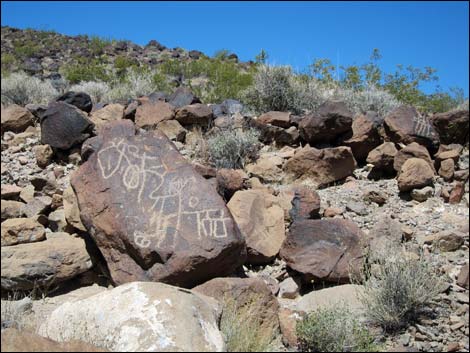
152	215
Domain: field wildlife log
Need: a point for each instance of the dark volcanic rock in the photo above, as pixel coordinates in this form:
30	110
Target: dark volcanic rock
152	215
181	97
79	99
365	136
64	125
324	250
452	126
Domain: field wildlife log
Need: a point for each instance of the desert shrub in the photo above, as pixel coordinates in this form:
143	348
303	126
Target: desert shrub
25	49
396	288
463	105
98	91
83	70
123	63
97	44
334	330
135	83
369	98
8	60
241	327
19	88
233	148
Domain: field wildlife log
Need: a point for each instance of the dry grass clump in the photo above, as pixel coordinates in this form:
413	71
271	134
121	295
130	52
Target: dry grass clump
19	88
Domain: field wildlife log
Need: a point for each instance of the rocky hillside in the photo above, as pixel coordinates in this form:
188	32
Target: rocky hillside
162	223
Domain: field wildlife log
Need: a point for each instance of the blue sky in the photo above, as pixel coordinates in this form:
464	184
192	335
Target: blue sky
421	34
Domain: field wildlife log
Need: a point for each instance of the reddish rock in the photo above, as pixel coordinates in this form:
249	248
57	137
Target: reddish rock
305	203
322	166
152	216
194	114
324	250
413	150
405	125
229	181
44	154
10	192
106	114
288	323
447	169
365	136
383	156
451	151
149	115
415	174
457	192
281	119
15	118
452	126
205	171
330	121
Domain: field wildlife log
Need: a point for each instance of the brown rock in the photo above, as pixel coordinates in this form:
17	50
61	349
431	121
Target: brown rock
205	171
447	240
261	222
365	136
332	212
21	230
152	216
322	166
109	113
415	174
10	192
15	118
39	205
288	322
457	192
325	250
267	168
131	109
383	156
451	151
405	125
44	154
22	341
375	195
229	181
251	294
149	115
413	150
452	126
71	210
173	130
447	169
11	209
59	258
330	121
194	114
462	278
281	119
305	203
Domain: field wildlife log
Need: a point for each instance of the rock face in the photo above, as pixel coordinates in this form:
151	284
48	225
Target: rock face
59	258
413	150
452	126
181	97
152	215
281	119
261	221
415	174
109	113
404	124
305	203
323	166
21	230
21	341
139	317
149	115
365	136
16	119
323	250
79	99
194	114
331	120
64	125
383	156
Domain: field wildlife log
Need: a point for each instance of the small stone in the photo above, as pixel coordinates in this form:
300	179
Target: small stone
423	194
10	192
44	154
456	193
375	195
333	211
405	339
453	347
357	207
457	326
462	297
407	233
447	169
288	288
27	193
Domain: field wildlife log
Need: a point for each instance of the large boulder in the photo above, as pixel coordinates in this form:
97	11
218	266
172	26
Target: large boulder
261	221
64	125
71	210
299	202
15	118
324	250
149	115
383	157
413	150
405	125
415	173
200	114
323	166
46	263
365	136
79	99
181	97
173	130
139	317
330	121
281	119
452	126
152	215
22	230
109	113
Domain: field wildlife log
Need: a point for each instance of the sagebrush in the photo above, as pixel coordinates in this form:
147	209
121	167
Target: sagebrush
19	88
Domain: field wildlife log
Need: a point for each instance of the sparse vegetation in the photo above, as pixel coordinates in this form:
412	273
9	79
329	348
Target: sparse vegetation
396	288
85	70
233	148
98	91
241	327
19	88
334	330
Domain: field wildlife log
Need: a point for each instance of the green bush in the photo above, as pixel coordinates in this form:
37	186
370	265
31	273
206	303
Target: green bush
233	148
397	288
8	61
25	49
97	44
334	330
85	71
123	63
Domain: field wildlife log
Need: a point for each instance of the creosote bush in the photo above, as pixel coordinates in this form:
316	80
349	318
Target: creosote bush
19	88
334	330
396	288
242	329
233	148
